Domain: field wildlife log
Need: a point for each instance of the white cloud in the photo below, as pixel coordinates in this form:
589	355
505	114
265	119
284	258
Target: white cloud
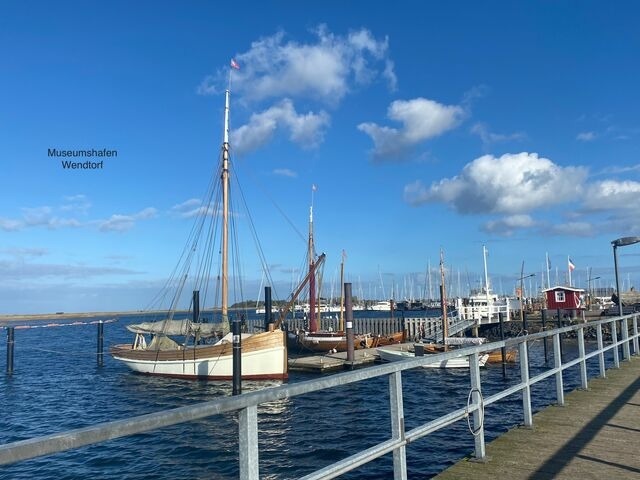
575	229
306	130
325	69
488	137
507	226
510	184
191	208
285	172
19	270
586	136
122	223
421	120
613	195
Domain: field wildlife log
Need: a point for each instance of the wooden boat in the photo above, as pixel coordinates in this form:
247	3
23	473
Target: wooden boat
394	355
393	339
323	342
193	349
495	356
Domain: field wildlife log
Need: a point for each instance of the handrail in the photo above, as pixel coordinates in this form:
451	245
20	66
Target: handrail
246	404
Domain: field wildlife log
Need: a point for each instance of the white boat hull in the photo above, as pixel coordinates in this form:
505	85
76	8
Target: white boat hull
265	361
394	355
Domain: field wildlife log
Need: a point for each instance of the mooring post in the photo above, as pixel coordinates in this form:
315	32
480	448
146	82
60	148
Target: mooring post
348	307
267	308
503	350
100	343
544	340
237	356
10	342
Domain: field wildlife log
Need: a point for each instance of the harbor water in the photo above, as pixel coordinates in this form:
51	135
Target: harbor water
57	386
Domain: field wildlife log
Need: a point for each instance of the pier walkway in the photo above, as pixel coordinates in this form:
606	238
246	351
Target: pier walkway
595	435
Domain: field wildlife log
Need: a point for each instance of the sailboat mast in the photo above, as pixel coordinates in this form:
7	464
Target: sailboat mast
486	280
224	178
341	326
443	300
313	326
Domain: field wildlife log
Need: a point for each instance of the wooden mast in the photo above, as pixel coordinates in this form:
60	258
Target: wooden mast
313	324
224	178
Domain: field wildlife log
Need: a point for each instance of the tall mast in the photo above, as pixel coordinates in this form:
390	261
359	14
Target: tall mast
341	326
224	178
486	281
443	300
313	325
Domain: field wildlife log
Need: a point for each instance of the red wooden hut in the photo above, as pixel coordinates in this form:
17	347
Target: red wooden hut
564	298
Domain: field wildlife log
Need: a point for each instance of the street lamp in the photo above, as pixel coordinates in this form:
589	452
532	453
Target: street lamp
620	242
589	288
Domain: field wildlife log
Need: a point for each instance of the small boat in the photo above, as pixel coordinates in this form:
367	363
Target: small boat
392	339
395	355
495	356
381	306
324	342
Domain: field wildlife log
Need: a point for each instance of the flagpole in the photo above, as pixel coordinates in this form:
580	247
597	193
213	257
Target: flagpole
548	268
569	268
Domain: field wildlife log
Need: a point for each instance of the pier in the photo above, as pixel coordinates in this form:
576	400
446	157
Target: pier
593	430
596	434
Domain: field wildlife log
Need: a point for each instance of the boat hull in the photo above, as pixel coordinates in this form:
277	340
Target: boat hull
323	342
393	355
264	357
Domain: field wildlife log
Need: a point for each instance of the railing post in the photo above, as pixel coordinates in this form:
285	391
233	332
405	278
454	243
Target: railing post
583	361
614	340
626	353
635	335
478	416
397	425
248	443
603	371
524	378
544	329
557	361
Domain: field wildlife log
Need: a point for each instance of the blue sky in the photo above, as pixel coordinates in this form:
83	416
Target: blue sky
424	126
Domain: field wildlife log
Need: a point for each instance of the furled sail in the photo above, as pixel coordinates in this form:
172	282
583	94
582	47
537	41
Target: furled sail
178	327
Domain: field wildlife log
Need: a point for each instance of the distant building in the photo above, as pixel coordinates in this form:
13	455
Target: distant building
564	298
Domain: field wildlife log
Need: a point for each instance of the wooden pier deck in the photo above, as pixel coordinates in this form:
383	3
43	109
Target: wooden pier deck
332	361
596	435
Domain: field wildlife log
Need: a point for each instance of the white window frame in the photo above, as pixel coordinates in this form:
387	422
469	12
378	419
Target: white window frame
560	296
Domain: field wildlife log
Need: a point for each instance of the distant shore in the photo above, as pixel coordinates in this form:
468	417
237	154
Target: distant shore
9	318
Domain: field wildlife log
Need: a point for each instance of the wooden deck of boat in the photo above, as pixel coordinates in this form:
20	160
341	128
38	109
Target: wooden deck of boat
596	435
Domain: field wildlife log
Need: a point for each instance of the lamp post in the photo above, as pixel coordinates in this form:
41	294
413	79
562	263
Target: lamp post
620	242
589	288
522	277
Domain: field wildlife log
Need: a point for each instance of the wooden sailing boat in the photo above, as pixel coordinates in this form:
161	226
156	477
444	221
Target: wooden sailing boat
193	349
313	339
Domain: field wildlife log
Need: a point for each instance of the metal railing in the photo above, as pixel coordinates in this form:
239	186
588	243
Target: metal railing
247	404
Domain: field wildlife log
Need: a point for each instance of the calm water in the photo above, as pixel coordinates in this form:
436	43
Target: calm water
57	386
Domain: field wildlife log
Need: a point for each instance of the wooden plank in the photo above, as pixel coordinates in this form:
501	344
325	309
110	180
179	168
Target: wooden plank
594	436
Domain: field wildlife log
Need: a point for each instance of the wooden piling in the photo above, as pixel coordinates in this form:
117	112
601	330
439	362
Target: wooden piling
10	344
349	322
237	357
100	350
